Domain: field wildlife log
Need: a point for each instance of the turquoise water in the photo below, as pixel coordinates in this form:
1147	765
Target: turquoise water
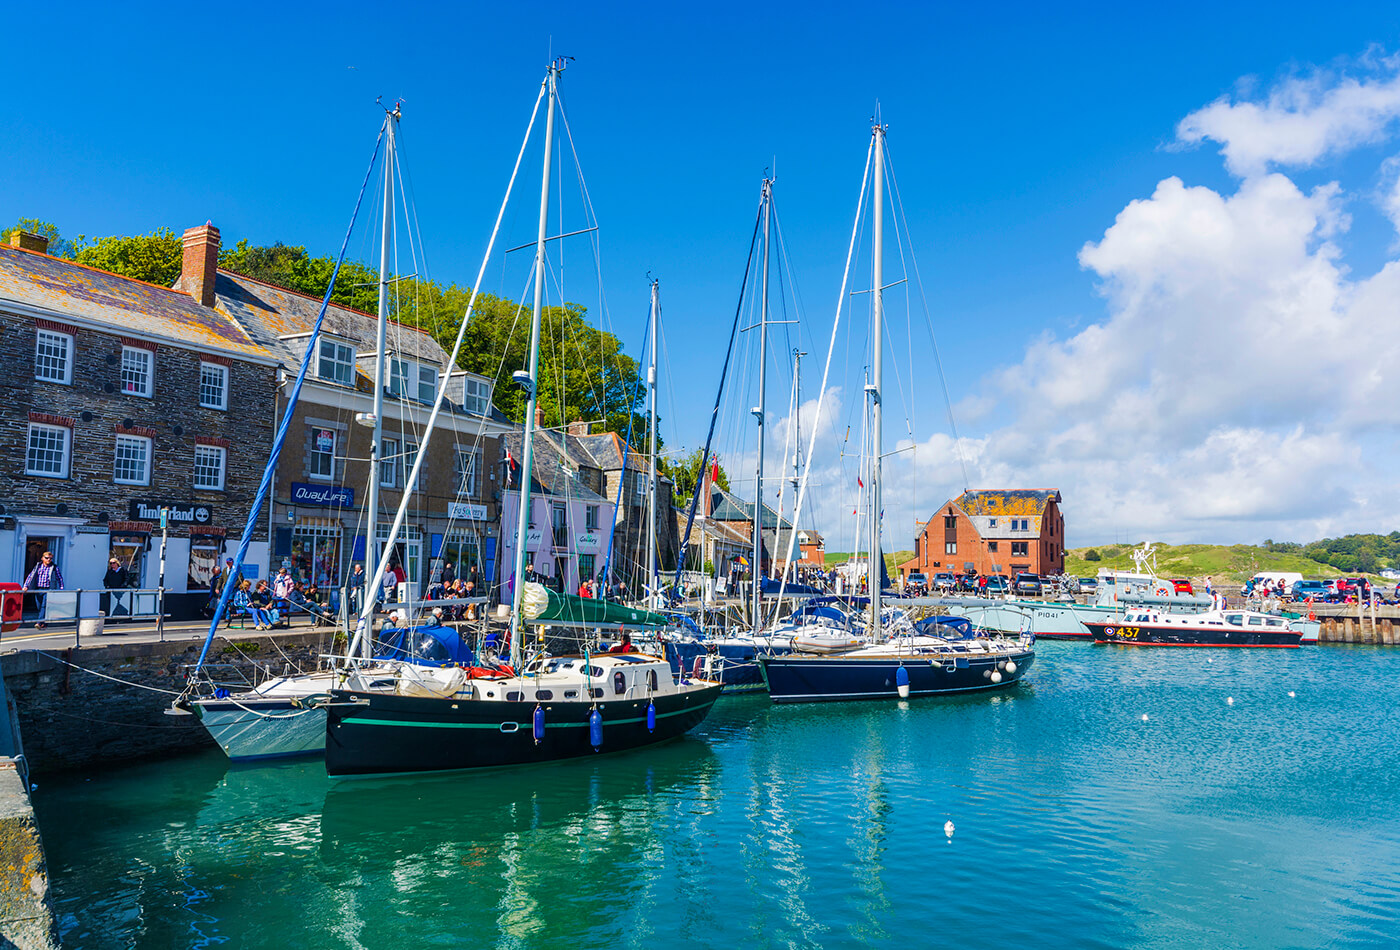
1267	822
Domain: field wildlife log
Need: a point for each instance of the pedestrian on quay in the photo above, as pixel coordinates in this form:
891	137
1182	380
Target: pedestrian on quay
115	578
45	577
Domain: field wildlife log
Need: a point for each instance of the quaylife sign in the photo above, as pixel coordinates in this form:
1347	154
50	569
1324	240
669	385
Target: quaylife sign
189	513
330	496
466	512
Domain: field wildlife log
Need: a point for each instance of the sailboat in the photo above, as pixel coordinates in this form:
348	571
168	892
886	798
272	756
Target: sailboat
279	716
936	655
546	709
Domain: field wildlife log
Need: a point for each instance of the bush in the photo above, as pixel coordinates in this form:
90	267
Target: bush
1092	555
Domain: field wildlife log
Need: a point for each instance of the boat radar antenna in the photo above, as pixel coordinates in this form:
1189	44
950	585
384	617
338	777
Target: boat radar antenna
1140	557
396	112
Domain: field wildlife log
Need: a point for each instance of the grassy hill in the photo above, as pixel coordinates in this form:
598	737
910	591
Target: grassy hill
834	558
1236	562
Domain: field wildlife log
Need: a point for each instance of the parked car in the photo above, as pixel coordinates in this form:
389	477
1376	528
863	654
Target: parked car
1182	586
1027	583
916	584
1302	590
997	584
1088	585
944	580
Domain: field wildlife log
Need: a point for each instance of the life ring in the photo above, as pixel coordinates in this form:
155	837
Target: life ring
1163	590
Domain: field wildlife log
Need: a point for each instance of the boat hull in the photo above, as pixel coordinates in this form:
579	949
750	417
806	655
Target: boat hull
251	729
805	679
370	734
733	665
1150	635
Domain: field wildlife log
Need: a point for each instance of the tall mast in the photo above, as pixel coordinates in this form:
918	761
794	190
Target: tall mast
872	389
651	429
762	408
527	452
795	478
377	439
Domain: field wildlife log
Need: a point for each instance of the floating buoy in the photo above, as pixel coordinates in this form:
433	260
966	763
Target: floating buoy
996	676
1144	717
1291	694
595	728
1011	666
986	674
539	724
949	828
901	682
651	716
1229	700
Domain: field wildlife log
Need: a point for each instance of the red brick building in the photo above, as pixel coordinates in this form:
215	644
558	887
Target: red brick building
992	532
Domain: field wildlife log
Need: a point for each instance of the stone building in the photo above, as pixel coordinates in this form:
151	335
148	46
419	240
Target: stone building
992	532
317	521
123	398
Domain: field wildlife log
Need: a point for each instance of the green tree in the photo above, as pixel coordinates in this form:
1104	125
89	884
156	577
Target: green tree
1091	555
58	245
684	472
154	258
294	268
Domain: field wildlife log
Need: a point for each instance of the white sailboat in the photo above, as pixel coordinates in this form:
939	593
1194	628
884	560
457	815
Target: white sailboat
932	657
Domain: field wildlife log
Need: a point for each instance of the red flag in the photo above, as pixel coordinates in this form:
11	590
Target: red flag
714	470
859	483
510	458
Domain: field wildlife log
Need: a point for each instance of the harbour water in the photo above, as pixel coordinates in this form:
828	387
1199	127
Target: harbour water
1120	798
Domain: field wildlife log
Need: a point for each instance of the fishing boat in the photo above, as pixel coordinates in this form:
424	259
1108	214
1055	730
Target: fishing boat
550	707
938	657
1149	627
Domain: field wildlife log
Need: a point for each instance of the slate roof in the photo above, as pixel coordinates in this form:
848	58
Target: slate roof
1029	501
124	305
270	312
725	506
552	471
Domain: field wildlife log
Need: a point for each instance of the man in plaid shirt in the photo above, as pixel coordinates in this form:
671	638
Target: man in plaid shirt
45	577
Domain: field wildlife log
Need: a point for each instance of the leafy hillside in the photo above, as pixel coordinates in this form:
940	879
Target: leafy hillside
1237	562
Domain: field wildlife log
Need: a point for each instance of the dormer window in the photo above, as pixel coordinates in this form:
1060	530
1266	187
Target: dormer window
477	396
411	380
336	363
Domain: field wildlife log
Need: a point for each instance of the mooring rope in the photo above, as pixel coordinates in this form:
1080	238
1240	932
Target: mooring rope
154	689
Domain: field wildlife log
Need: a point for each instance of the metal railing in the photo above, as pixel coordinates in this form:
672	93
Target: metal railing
79	604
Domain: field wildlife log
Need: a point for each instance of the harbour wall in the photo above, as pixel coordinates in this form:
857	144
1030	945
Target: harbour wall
102	705
26	919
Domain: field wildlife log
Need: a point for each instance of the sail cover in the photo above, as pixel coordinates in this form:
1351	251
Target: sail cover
539	604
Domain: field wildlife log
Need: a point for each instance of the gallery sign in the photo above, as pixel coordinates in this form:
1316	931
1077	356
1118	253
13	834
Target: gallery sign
188	513
332	496
588	541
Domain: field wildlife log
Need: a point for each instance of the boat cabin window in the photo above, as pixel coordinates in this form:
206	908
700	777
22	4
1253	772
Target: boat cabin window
1272	622
597	693
571	694
1256	621
544	694
1236	619
651	679
619	682
595	671
513	696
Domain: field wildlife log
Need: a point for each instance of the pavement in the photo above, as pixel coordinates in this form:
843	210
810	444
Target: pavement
61	636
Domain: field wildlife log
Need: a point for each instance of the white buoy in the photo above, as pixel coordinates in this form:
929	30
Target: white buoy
1229	700
1011	666
948	829
996	676
1144	717
1291	694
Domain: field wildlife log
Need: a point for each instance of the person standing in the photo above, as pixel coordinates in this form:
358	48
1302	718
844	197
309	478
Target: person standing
45	577
115	578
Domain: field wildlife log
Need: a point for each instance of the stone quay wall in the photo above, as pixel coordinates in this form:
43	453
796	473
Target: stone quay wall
26	919
72	716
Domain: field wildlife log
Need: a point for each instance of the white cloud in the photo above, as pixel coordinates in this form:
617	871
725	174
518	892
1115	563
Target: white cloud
1304	118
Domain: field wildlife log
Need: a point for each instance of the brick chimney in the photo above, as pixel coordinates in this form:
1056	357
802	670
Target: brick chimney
539	417
27	241
201	262
579	427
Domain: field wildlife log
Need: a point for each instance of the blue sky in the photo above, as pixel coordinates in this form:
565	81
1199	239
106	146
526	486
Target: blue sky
1020	134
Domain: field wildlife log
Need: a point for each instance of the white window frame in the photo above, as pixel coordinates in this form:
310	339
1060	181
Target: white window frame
52	338
221	371
467	471
427	377
313	453
950	547
218	452
590	518
389	463
134	355
341	356
476	396
132	442
410	458
398	376
66	440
